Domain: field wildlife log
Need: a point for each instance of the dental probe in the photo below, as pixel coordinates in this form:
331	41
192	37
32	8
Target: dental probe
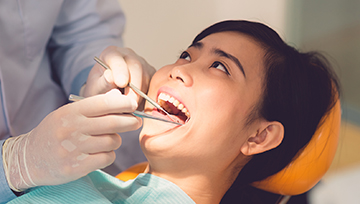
139	114
138	91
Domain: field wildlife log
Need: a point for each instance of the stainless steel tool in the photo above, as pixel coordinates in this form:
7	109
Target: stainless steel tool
138	91
140	114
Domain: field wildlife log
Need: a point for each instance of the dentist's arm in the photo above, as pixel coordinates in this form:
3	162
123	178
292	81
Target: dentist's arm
70	142
5	192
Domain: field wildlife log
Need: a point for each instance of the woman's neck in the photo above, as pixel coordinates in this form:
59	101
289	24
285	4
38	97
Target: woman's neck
202	188
201	183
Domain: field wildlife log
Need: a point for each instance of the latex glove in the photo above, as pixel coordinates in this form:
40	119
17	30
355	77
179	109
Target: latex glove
70	142
125	66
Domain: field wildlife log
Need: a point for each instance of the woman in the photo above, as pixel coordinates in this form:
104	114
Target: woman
248	102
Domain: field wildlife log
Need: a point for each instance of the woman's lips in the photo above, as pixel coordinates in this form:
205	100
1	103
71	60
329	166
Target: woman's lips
160	114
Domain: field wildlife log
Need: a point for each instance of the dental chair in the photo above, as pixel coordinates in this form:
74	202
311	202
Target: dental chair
302	173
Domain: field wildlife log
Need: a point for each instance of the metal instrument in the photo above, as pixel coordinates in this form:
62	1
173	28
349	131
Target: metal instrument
138	91
140	114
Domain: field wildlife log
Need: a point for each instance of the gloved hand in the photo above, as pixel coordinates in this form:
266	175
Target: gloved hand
70	142
125	66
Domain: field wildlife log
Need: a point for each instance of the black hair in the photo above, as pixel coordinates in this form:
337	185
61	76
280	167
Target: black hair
298	90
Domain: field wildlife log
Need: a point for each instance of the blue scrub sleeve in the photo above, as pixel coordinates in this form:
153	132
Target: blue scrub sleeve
6	194
83	30
79	81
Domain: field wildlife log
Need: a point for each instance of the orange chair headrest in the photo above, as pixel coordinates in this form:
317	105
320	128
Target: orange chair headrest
312	163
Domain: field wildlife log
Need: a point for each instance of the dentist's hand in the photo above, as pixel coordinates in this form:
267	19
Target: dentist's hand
125	66
70	142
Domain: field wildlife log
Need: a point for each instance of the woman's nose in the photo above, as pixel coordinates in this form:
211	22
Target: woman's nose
182	74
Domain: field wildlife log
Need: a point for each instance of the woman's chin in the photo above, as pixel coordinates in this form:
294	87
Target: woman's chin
156	135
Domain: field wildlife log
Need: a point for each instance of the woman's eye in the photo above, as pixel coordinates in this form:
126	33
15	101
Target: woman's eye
220	66
185	55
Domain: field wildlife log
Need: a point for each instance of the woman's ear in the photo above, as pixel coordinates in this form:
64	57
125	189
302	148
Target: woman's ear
268	136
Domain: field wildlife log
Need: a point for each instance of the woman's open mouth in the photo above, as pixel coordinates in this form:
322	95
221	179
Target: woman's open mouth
175	108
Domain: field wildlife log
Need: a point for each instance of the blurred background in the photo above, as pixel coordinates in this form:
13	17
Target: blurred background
160	30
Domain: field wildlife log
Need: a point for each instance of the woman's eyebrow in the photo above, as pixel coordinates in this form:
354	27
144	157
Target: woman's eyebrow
231	57
197	45
200	45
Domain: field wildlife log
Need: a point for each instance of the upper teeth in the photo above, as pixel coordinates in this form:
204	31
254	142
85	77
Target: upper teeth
176	103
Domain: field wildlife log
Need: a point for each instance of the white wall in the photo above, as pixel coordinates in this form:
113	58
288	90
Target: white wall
159	30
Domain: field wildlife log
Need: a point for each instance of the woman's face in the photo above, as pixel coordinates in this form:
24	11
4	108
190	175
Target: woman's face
211	88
